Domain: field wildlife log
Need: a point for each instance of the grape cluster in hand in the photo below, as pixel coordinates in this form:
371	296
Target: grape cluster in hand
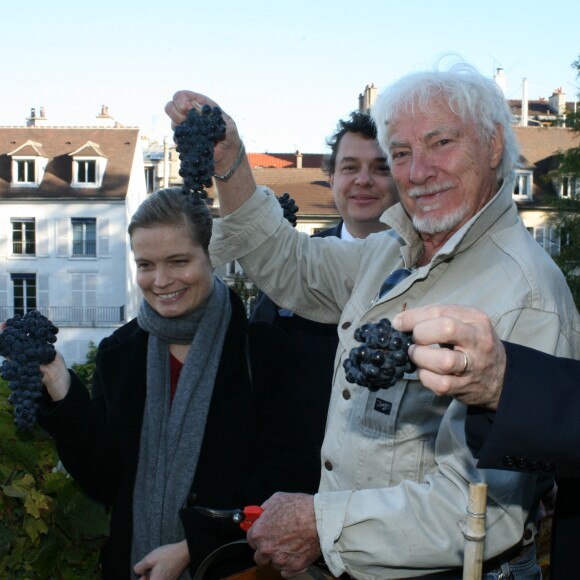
195	139
27	342
290	208
382	357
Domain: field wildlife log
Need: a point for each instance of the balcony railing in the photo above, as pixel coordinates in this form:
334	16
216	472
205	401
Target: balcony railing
74	315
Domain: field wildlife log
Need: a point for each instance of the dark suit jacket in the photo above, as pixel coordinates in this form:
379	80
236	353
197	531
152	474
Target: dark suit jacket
314	344
537	428
252	444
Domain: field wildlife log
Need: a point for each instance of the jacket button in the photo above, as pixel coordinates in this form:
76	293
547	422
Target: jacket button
523	463
549	466
528	534
508	461
346	325
535	465
346	394
328	465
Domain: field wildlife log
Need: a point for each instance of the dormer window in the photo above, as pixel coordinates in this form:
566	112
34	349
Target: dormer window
86	171
523	186
25	171
89	165
567	186
28	165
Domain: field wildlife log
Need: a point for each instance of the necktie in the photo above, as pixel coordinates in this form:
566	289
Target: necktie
393	279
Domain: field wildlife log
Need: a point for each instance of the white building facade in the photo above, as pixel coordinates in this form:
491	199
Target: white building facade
66	197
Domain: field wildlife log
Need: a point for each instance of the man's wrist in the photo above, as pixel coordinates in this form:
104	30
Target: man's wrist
237	162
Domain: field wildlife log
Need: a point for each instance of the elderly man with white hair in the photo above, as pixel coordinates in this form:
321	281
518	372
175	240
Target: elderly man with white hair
395	465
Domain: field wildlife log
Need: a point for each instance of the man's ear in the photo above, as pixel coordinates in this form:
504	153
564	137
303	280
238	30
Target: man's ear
497	146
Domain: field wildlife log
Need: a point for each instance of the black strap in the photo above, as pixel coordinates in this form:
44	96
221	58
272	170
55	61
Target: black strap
218	555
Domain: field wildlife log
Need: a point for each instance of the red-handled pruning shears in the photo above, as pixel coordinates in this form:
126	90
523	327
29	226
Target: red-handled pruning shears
245	518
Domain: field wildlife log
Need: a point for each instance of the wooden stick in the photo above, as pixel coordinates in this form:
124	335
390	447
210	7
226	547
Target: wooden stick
474	532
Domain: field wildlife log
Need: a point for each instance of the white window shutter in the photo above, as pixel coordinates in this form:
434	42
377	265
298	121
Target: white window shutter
62	238
90	290
104	239
4	313
42	290
42	238
77	289
5	231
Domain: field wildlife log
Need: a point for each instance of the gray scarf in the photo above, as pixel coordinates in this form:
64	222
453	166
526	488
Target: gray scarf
171	435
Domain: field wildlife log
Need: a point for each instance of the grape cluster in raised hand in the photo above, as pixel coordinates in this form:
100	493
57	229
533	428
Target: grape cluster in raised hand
195	139
382	357
289	206
27	342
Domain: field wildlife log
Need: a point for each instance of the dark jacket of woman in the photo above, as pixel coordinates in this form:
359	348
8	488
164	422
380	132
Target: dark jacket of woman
252	445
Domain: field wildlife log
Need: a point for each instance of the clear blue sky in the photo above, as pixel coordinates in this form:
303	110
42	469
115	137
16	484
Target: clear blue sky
286	71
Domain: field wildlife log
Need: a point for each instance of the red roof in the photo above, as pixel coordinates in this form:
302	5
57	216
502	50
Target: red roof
280	160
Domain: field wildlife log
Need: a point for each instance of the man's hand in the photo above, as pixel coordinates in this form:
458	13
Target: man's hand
241	185
473	370
164	563
226	150
285	534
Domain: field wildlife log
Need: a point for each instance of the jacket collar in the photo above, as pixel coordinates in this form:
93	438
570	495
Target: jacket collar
488	218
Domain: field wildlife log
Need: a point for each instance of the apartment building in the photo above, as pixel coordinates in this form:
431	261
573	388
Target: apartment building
66	196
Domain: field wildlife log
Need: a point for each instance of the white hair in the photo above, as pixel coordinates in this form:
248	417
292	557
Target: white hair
469	95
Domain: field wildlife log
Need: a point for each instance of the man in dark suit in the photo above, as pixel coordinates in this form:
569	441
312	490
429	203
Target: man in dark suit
524	407
363	189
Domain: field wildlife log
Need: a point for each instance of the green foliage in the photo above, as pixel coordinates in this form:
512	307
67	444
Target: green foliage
565	214
85	370
245	289
49	529
565	220
573	120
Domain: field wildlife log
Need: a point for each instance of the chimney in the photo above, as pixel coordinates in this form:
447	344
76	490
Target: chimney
500	79
524	119
367	99
557	102
104	119
298	160
36	120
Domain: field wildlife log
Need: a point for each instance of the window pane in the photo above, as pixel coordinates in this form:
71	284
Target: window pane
91	239
84	237
25	171
24	294
29	238
23	237
87	171
77	228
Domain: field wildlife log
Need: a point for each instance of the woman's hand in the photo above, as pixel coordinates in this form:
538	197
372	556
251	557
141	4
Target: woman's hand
56	378
164	563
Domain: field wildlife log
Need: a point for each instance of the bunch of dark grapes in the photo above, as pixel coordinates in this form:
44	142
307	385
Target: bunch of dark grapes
290	208
27	342
195	139
382	357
